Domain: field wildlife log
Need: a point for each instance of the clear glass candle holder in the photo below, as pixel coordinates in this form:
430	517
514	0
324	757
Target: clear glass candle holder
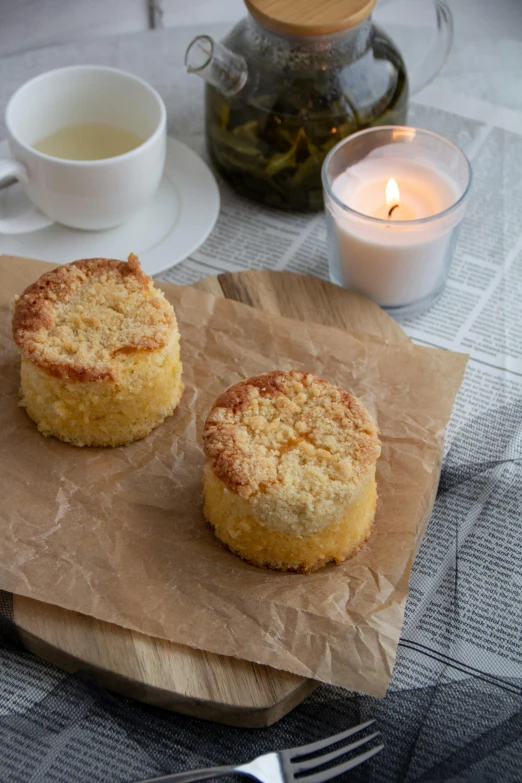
393	242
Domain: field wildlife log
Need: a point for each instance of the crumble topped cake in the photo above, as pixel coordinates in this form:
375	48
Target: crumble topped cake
290	475
100	352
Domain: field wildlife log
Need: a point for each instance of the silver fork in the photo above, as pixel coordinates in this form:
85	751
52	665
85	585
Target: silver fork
283	765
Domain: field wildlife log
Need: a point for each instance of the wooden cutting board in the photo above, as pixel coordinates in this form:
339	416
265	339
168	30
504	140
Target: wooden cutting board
169	675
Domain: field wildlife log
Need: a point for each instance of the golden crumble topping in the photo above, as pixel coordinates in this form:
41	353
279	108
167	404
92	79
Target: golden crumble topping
78	321
294	444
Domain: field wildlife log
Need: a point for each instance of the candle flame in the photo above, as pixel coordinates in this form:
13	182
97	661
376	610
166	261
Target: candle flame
392	193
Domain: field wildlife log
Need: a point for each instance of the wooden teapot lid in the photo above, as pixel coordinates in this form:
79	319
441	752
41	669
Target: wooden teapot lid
309	17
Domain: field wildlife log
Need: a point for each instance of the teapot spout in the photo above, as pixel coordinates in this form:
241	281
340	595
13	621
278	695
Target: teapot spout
216	64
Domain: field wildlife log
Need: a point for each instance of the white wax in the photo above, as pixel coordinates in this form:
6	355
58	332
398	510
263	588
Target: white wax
392	264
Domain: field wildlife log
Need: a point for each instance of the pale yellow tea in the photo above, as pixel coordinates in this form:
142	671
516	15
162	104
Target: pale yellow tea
88	141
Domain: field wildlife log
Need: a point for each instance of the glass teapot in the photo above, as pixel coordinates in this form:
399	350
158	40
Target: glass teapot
294	78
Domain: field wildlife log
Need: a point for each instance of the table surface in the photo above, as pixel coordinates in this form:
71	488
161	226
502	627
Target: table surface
56	727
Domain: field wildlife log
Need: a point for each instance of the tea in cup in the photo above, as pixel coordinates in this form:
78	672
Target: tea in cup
88	145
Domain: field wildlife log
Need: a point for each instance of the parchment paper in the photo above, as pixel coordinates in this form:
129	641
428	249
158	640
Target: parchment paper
119	534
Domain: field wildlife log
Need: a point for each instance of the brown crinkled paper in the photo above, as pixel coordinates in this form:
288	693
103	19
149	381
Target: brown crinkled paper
119	534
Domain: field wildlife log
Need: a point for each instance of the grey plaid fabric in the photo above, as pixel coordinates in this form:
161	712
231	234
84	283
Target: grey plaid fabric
63	728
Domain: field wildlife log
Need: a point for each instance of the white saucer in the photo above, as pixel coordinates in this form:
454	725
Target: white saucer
176	222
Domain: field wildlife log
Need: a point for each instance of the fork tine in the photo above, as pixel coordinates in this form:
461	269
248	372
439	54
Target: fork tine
300	766
328	774
304	750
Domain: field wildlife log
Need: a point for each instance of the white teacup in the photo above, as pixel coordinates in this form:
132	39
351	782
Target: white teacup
85	194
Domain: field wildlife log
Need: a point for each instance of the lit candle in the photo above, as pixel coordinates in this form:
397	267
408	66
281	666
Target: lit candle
390	221
393	202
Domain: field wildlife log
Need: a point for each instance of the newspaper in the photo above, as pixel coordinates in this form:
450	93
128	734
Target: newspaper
463	614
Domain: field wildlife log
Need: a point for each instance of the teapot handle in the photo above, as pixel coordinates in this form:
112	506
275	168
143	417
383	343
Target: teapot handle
437	55
431	62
